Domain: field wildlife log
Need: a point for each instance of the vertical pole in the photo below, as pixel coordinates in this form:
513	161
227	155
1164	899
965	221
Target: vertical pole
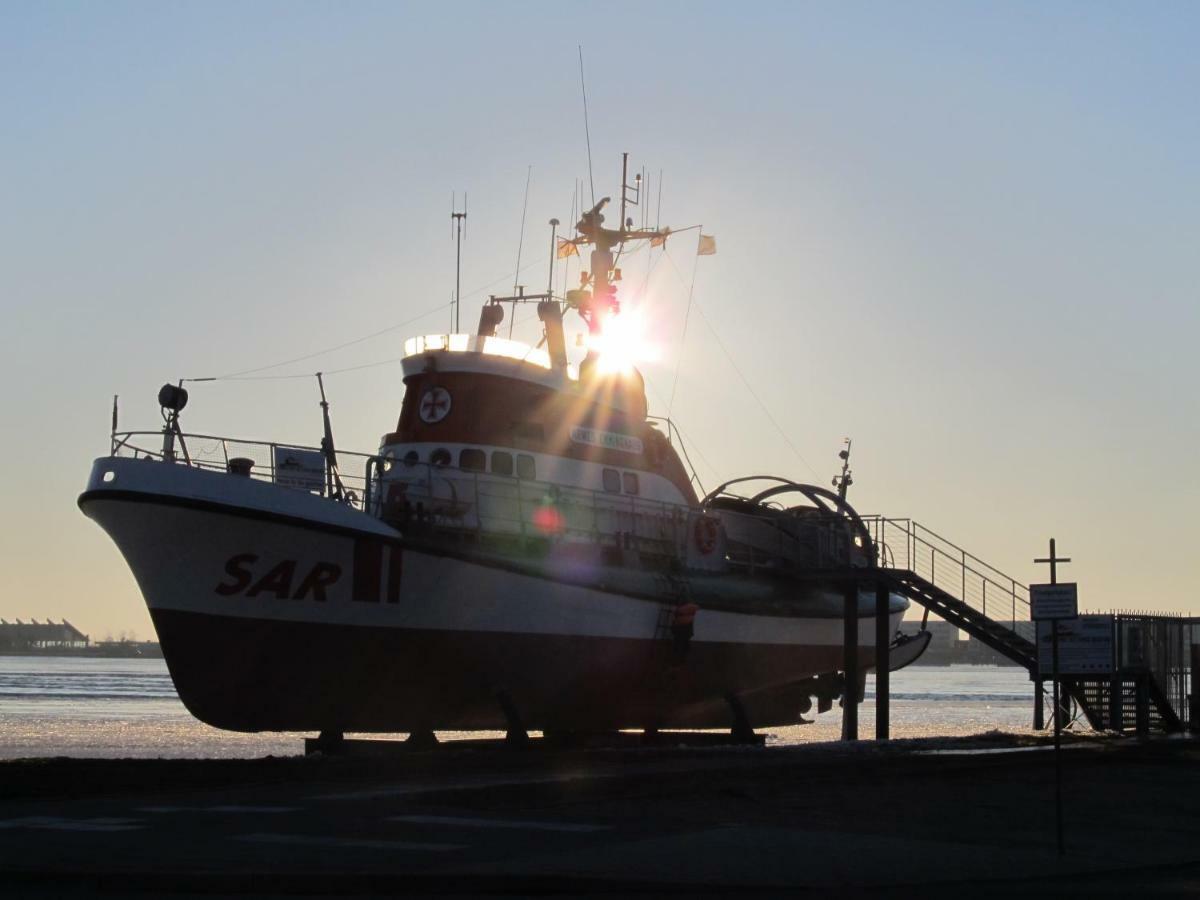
1143	706
1119	678
1058	805
1194	705
883	639
850	662
553	256
1039	710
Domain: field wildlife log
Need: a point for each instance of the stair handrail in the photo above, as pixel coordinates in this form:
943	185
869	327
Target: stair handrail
983	573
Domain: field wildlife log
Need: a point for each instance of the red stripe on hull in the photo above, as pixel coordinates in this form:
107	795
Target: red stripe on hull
263	675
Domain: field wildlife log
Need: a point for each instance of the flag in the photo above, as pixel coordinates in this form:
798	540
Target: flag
660	239
566	248
708	245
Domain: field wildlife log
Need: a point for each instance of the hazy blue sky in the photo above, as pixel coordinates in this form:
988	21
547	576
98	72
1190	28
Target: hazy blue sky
966	234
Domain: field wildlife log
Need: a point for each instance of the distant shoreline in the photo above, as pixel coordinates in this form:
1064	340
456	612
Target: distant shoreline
129	650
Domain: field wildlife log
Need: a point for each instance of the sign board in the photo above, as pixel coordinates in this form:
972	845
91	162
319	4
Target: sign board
1085	646
610	440
1053	601
303	470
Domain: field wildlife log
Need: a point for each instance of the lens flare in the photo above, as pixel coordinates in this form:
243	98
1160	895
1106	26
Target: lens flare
622	344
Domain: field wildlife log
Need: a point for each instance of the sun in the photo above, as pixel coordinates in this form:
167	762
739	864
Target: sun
623	343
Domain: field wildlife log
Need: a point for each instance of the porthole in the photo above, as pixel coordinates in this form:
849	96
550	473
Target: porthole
440	457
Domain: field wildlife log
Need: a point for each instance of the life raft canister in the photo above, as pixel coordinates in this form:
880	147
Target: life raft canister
706	532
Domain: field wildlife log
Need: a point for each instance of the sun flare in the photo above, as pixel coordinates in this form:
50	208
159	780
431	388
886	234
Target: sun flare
622	343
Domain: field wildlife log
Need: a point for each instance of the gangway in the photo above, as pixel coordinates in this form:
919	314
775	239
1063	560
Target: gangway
1152	668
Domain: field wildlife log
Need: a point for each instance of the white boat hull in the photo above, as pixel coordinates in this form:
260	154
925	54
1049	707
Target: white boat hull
280	610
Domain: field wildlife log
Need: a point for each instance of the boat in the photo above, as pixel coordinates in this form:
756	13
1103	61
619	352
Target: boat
528	549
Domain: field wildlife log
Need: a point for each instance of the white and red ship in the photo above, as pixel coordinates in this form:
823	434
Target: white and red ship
526	549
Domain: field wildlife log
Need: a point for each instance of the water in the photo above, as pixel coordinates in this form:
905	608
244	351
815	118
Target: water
70	706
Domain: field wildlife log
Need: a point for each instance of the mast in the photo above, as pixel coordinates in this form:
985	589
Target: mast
842	482
600	302
456	219
333	481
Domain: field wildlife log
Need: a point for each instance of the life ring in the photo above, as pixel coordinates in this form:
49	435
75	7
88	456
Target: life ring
706	534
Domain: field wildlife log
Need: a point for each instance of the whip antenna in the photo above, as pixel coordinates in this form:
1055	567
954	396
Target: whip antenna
457	220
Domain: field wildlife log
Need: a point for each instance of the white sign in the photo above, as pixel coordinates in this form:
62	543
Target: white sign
610	440
1085	646
1053	601
300	469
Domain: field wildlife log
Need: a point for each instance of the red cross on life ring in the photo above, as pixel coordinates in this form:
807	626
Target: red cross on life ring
706	534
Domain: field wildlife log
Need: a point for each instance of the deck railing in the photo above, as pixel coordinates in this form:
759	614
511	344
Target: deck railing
213	453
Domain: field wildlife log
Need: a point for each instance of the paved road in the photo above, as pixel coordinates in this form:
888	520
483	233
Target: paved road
719	822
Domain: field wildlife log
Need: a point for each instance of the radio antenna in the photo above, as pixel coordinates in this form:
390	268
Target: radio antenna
457	220
586	131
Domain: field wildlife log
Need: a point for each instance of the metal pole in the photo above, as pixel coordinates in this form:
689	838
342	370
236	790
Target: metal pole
850	662
883	639
1058	802
553	256
1194	707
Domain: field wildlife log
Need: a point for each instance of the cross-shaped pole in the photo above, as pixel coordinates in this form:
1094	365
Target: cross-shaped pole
1053	559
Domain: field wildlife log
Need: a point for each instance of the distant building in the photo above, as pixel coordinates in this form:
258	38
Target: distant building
34	635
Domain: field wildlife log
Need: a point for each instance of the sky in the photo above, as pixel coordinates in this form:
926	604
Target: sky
965	235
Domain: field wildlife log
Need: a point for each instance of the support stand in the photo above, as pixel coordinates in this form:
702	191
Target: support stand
741	732
850	690
883	639
516	735
421	740
327	742
1116	706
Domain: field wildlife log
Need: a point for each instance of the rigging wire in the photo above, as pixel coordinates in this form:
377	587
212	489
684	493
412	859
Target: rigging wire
521	242
351	343
745	381
240	375
686	316
587	132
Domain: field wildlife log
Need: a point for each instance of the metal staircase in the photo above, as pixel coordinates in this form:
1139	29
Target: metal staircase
957	586
1150	683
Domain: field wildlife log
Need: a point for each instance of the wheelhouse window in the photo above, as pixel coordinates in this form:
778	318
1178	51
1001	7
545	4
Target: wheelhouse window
630	480
440	457
502	463
411	458
612	481
526	469
472	460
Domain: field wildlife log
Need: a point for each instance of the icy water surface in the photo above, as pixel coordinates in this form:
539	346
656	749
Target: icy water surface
68	706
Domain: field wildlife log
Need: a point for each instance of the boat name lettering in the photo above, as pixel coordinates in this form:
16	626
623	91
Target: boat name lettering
610	440
278	580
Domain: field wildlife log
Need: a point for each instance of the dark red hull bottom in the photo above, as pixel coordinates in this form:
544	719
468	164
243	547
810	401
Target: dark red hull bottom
266	675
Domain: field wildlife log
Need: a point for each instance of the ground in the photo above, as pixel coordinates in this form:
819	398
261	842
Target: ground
938	818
